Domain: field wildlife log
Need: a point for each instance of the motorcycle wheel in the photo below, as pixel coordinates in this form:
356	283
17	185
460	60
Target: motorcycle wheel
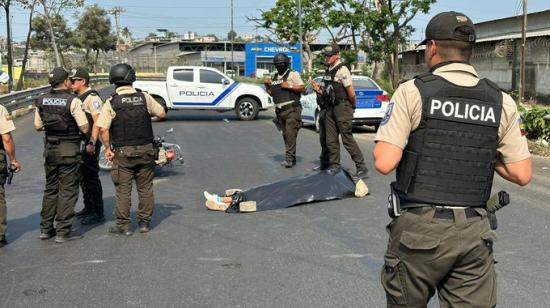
104	163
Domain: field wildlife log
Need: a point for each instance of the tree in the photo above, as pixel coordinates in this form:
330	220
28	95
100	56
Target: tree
388	26
282	21
93	33
6	5
53	10
41	38
30	5
231	35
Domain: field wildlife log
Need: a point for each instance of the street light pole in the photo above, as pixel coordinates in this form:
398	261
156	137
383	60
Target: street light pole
231	38
522	61
300	30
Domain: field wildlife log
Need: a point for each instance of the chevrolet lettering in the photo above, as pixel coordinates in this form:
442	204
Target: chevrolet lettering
54	102
206	88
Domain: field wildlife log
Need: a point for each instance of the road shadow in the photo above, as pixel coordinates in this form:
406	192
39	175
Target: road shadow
281	158
206	116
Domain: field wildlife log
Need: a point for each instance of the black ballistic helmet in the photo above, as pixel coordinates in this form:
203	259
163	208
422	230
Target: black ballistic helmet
281	58
122	74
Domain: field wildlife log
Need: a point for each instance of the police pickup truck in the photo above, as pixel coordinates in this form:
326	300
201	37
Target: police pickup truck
205	88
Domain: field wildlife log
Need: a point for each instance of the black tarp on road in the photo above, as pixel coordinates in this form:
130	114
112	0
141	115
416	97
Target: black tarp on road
297	190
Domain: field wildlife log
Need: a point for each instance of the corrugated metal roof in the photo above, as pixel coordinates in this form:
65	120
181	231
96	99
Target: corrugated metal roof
517	35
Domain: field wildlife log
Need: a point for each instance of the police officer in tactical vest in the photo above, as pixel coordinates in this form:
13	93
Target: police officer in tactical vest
59	113
446	132
285	87
338	94
7	150
89	168
127	134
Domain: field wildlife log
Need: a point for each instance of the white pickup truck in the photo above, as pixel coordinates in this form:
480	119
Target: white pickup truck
205	88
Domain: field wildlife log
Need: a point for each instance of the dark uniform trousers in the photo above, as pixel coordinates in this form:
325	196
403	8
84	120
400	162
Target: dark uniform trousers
450	251
3	207
339	122
291	121
90	183
62	162
325	157
133	163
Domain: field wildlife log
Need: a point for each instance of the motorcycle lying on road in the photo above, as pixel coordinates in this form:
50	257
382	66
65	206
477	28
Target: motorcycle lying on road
168	154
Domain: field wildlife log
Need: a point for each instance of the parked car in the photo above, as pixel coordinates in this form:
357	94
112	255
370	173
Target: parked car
372	102
206	88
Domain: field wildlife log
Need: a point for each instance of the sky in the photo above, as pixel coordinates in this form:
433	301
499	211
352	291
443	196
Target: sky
213	16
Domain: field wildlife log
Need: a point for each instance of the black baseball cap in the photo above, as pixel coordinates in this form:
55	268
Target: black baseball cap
331	50
58	75
450	26
80	73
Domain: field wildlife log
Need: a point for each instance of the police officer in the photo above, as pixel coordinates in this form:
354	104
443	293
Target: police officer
285	87
59	113
89	168
7	148
125	123
339	95
447	132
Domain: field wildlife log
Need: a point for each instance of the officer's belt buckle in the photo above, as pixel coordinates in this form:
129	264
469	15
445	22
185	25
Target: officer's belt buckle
281	105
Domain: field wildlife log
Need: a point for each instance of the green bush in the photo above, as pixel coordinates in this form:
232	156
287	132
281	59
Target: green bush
535	124
386	85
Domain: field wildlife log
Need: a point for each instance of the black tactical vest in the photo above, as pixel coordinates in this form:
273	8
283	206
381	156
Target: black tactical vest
335	90
281	95
55	111
450	158
132	122
89	117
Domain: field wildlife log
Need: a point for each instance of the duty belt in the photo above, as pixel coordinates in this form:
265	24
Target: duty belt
445	212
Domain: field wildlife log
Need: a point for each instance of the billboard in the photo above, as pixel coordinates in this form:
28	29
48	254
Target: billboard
259	55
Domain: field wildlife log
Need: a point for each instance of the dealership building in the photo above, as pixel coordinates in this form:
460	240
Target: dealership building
243	58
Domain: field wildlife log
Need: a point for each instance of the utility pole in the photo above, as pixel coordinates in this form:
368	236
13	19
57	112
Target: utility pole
116	11
300	31
231	38
522	61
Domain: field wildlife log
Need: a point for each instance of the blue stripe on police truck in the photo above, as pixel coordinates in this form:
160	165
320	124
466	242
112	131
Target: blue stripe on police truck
216	101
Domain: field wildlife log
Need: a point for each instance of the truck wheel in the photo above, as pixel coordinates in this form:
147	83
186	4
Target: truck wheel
247	109
162	102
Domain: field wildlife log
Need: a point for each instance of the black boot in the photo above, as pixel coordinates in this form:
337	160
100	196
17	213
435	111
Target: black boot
84	212
362	172
3	241
144	227
45	235
71	236
92	219
118	231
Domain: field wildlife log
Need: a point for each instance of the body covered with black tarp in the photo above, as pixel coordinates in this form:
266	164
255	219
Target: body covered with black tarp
297	190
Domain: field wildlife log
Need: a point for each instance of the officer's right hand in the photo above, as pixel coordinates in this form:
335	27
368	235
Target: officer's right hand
16	165
109	154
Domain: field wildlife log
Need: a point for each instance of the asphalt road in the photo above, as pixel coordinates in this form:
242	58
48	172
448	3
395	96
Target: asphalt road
326	254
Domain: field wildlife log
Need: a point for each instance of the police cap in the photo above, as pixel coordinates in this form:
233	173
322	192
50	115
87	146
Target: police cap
281	58
450	26
80	73
57	76
122	74
331	50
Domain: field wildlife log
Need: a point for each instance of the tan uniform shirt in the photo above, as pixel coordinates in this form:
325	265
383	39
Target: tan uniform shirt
405	111
76	112
293	79
108	114
92	104
6	123
343	75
